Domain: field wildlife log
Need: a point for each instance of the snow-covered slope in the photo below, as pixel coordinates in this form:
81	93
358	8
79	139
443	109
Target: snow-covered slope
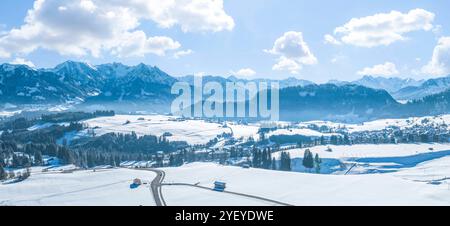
303	189
429	87
389	84
370	158
424	184
86	188
370	150
191	131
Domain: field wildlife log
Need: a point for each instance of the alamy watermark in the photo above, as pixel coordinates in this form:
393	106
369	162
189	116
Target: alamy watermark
250	100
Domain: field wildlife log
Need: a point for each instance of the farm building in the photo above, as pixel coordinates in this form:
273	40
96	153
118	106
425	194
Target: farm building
219	186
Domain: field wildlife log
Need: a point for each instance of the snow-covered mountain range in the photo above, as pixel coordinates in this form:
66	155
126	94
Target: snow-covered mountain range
76	82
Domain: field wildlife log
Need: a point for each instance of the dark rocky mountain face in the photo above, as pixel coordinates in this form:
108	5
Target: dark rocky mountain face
430	105
333	102
135	84
84	76
132	88
83	82
20	84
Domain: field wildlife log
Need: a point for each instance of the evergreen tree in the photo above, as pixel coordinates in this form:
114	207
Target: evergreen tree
317	162
171	160
38	158
346	139
322	140
285	162
288	162
308	159
334	140
3	174
112	161
299	144
256	158
274	164
282	161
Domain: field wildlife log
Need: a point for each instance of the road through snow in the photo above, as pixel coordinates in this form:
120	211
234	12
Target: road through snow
157	183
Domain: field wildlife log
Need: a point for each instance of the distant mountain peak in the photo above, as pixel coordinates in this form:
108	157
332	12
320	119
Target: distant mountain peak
390	84
11	67
75	64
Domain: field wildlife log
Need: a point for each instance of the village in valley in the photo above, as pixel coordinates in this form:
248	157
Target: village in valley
91	143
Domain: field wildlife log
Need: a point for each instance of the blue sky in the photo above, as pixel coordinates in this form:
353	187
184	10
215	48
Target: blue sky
240	37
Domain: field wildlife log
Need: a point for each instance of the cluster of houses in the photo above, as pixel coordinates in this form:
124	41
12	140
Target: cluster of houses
414	134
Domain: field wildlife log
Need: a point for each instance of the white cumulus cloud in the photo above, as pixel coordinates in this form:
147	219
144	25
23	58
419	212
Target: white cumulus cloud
329	39
293	52
440	61
245	72
384	28
190	15
93	27
182	53
386	69
137	44
21	61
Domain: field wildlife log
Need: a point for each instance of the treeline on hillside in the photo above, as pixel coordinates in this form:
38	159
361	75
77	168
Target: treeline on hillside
127	143
14	155
74	116
40	136
24	123
304	141
16	124
263	159
112	149
23	148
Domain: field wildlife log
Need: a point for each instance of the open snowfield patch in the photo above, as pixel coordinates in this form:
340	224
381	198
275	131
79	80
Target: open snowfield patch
191	196
191	131
369	158
86	188
244	131
304	189
435	171
369	150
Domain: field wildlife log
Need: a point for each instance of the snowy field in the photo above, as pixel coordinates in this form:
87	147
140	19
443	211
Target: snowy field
369	150
306	189
191	131
84	188
191	196
369	158
244	131
425	184
386	174
196	132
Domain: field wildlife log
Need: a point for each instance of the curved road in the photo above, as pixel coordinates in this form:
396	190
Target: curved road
157	183
233	193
